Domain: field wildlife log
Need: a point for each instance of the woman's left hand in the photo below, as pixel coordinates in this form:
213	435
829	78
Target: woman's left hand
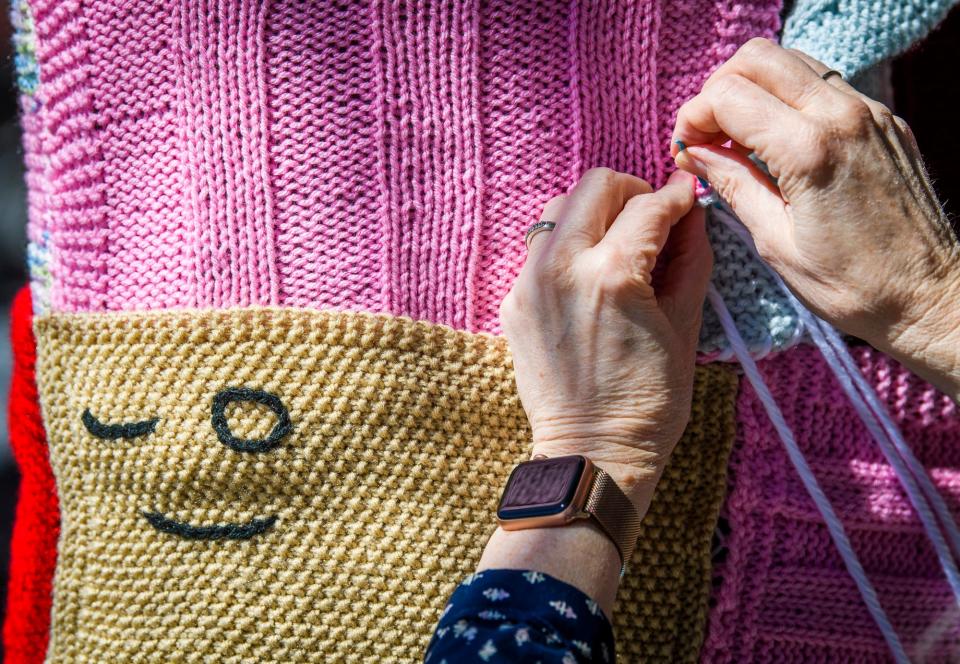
604	351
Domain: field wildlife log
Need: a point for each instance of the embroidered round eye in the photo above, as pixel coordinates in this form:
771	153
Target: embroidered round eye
245	394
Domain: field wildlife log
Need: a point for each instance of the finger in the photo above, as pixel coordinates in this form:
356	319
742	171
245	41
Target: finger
688	266
592	205
641	229
746	113
748	190
817	67
551	212
781	72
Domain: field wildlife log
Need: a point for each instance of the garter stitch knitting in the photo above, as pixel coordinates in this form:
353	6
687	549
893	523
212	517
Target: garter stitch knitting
341	541
853	35
783	593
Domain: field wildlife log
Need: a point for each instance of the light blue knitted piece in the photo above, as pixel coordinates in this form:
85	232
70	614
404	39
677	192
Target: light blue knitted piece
853	35
766	320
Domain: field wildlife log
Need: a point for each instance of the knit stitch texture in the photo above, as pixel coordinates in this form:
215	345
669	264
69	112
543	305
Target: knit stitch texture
33	546
358	155
853	35
784	594
343	540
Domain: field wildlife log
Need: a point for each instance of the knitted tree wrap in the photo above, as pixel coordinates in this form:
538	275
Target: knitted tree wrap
358	155
349	530
784	594
33	546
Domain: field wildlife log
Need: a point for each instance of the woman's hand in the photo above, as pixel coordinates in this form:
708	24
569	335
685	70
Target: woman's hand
604	352
853	224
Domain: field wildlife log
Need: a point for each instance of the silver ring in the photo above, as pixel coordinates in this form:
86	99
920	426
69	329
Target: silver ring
831	72
538	227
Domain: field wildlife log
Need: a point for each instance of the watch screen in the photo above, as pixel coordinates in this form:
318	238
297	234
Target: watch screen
541	487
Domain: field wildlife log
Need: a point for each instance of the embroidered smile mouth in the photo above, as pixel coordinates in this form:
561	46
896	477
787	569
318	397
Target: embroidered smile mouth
226	531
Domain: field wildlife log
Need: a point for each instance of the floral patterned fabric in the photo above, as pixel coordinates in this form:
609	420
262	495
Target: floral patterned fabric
520	616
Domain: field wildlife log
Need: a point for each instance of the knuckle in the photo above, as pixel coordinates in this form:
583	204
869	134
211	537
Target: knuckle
812	146
754	48
616	272
508	308
600	175
854	117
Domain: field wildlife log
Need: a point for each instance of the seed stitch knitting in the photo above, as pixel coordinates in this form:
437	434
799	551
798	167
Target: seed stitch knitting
784	594
853	35
351	532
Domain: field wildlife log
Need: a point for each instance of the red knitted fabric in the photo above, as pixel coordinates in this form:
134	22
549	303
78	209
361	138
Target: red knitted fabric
33	554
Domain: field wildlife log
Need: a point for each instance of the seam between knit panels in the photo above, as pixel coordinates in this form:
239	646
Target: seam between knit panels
75	209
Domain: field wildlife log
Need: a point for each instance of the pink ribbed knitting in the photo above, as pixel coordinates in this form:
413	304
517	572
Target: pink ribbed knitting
383	156
784	594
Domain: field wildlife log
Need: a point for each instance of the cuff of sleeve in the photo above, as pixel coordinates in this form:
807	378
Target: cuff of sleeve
550	612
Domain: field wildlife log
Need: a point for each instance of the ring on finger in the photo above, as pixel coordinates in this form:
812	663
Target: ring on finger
536	228
831	72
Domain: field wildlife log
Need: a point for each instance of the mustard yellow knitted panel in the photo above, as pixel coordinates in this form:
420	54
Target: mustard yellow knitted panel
283	486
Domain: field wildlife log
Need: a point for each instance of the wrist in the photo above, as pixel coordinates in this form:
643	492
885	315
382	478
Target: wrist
929	342
579	554
637	479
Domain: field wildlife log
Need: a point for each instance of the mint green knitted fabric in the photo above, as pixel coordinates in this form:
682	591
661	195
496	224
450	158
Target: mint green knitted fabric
854	35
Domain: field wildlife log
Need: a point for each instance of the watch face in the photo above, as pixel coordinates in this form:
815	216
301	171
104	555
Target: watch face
541	487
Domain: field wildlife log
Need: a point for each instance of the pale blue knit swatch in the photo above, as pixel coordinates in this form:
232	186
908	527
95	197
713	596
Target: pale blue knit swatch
766	320
853	35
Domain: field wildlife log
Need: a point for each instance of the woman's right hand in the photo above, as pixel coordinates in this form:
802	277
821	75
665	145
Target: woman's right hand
852	225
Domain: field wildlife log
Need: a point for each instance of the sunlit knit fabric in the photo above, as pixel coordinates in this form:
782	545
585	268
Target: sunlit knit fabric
33	544
784	593
853	35
194	531
357	155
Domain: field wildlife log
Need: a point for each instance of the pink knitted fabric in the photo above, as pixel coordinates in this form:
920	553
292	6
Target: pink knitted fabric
382	156
784	595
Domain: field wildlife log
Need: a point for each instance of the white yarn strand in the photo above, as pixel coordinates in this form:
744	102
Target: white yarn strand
832	521
921	491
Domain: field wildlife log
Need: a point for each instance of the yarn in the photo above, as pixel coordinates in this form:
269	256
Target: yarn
369	156
36	525
853	35
343	540
923	496
810	484
783	592
116	431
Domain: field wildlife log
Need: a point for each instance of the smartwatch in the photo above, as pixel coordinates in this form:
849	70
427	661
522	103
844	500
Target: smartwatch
556	491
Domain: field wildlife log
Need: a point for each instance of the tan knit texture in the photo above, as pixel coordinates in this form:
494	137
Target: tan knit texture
384	491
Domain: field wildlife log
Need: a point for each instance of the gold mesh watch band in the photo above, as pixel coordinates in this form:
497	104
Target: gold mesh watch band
614	513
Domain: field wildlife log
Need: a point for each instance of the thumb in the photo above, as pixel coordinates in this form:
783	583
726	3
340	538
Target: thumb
749	191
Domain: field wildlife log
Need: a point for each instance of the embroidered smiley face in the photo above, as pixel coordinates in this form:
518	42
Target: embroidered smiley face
221	425
378	444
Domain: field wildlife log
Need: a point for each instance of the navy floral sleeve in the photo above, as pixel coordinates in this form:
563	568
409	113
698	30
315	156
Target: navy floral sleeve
502	615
